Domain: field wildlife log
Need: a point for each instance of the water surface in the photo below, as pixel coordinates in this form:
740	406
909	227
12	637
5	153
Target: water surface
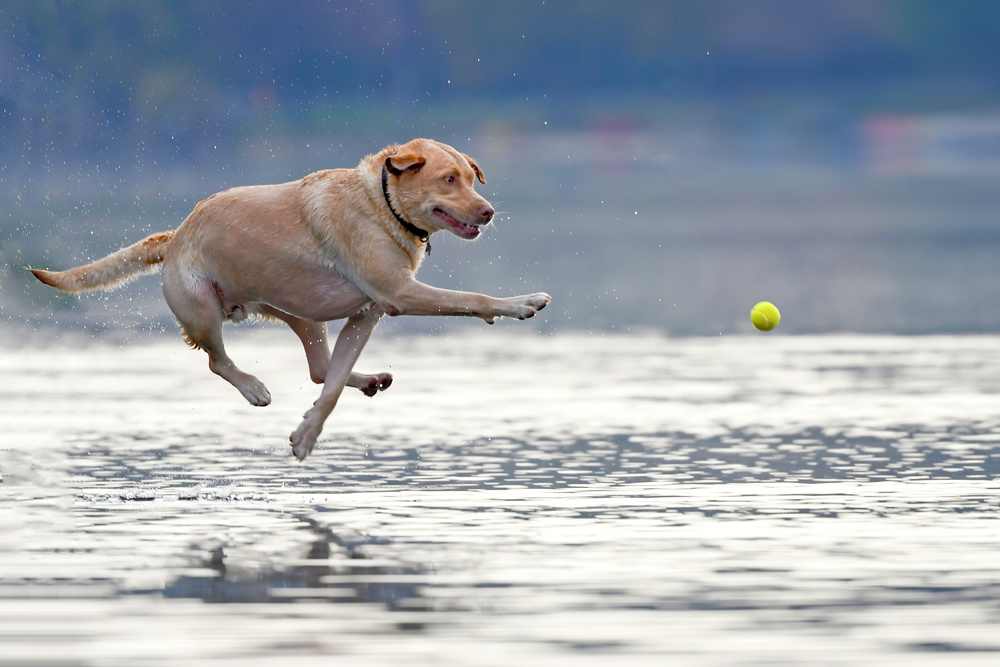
568	499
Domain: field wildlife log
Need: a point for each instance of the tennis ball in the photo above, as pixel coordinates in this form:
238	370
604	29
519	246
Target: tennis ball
765	316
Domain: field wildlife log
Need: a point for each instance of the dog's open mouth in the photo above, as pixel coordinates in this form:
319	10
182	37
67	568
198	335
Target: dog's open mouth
457	226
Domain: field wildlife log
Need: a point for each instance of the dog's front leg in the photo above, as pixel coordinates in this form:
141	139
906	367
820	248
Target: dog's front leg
346	351
416	298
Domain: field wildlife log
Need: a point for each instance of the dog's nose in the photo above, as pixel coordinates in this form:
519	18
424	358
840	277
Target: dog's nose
485	213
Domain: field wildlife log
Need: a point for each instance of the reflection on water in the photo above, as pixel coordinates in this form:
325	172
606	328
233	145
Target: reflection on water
332	569
574	499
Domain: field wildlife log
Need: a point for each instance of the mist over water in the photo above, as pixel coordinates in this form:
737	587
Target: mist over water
669	240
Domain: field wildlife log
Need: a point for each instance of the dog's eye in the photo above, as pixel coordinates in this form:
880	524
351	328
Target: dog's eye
449	179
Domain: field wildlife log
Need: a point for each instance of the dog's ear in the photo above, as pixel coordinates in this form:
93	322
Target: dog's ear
475	168
399	162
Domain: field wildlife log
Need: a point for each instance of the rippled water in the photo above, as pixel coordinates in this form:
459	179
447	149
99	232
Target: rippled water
577	499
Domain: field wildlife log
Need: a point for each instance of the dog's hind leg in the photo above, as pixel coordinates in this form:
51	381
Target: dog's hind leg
314	340
196	304
313	337
346	351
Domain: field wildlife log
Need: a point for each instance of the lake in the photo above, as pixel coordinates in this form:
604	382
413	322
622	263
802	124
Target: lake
565	499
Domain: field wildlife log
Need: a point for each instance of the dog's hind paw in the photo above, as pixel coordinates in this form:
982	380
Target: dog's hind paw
371	384
254	391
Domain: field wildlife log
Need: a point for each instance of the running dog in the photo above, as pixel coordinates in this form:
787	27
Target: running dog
339	243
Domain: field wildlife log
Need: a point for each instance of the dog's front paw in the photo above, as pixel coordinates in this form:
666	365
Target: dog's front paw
303	438
529	305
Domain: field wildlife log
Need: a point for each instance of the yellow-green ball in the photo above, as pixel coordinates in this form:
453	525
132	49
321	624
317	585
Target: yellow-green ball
765	316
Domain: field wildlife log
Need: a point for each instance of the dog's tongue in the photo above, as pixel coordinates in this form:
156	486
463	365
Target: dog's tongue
462	228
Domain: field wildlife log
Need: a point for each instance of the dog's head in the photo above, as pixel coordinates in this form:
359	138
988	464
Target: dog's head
434	186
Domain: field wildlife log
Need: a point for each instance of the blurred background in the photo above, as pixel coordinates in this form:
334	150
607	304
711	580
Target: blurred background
657	164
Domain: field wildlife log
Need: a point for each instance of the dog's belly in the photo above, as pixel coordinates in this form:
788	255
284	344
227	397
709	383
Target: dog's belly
319	295
329	296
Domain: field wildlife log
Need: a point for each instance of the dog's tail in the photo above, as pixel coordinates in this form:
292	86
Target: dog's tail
114	270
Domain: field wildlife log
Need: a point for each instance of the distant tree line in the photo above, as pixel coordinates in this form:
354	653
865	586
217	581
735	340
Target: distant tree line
172	72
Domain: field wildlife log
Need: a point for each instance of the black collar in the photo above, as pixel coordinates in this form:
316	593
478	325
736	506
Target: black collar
408	226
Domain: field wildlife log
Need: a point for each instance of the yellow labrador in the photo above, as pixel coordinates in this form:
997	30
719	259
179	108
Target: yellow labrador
337	243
